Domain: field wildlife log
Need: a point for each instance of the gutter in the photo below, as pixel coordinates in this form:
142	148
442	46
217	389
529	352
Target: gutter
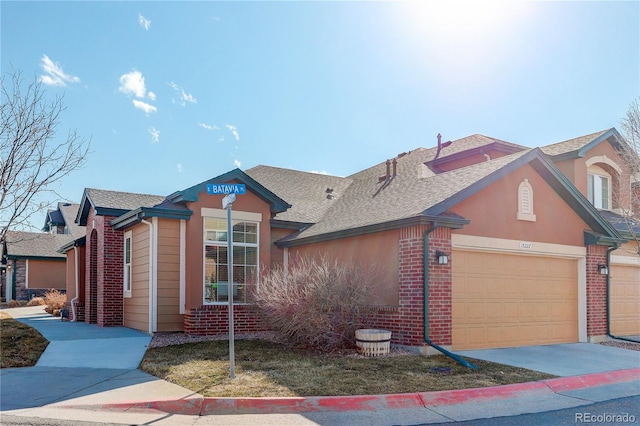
609	250
425	308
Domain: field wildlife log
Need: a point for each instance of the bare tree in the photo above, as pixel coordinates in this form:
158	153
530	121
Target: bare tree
31	157
630	126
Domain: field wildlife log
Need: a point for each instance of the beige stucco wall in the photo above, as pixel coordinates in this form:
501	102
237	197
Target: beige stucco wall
378	250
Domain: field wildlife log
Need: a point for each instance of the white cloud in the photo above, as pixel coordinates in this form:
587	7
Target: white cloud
234	130
151	96
54	75
155	134
133	84
208	126
323	172
179	167
144	22
237	163
188	97
184	96
144	106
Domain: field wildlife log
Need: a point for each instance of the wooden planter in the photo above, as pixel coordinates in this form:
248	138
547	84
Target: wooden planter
371	342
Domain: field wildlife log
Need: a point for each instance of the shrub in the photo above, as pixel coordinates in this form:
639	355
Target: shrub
36	301
54	301
13	304
316	303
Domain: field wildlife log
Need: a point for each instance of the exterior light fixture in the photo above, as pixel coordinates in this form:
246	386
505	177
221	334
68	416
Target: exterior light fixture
603	269
441	257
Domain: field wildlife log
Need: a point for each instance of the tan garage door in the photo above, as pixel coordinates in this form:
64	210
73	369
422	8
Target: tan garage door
504	300
625	300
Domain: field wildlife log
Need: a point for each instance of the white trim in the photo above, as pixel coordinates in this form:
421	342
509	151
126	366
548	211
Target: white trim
75	273
183	263
8	292
582	300
625	260
473	242
26	273
127	293
603	159
154	271
237	215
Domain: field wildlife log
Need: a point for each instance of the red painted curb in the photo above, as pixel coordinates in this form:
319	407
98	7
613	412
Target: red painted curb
222	406
451	397
563	384
309	404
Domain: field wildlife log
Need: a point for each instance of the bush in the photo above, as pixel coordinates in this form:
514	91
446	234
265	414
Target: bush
13	304
36	301
54	301
316	303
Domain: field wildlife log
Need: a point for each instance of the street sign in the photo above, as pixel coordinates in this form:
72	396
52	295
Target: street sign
226	188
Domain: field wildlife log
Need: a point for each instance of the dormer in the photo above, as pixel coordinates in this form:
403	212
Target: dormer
470	150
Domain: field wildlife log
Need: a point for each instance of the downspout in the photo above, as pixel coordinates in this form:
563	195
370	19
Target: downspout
73	306
425	309
609	250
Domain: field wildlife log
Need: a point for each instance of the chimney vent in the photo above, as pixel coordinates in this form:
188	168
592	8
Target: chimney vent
395	167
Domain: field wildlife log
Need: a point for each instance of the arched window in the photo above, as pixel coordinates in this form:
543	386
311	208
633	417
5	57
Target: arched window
599	187
525	202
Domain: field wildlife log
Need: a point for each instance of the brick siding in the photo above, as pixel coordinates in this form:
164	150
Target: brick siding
406	321
211	320
596	293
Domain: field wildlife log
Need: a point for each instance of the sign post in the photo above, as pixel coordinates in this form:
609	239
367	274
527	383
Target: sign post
231	190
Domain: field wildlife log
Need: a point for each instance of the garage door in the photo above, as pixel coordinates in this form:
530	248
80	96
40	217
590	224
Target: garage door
625	300
504	300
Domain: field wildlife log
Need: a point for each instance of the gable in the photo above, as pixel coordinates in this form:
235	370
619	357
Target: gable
493	212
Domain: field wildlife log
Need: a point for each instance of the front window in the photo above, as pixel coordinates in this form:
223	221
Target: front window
216	264
598	190
127	265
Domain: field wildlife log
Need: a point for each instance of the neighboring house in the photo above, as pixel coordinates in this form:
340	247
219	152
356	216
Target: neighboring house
479	243
31	262
33	265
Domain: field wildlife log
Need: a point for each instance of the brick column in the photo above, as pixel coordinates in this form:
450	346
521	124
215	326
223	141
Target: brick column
596	294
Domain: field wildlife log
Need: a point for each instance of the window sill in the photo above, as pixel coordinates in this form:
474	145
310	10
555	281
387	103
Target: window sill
526	217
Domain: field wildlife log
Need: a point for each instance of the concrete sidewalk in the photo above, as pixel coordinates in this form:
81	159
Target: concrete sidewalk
98	381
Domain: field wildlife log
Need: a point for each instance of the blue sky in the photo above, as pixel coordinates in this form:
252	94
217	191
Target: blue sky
174	93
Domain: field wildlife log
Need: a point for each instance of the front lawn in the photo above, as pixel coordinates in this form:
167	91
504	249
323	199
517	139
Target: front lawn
267	369
20	345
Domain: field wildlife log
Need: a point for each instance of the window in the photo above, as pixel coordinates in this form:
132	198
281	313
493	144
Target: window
525	202
599	190
127	264
216	264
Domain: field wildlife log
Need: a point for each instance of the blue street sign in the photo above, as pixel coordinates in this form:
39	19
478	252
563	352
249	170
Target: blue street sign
226	188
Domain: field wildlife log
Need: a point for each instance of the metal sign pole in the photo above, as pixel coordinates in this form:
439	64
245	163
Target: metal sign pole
226	203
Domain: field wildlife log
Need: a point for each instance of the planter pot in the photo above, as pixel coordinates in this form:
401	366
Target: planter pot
372	342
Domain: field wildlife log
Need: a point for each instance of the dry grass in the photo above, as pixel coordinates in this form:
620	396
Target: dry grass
20	345
267	369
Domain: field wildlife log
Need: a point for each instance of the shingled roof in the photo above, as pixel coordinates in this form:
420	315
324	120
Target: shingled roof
310	194
575	144
113	203
35	244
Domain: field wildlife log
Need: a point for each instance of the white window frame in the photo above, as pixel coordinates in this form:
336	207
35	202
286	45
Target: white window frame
237	217
596	176
127	267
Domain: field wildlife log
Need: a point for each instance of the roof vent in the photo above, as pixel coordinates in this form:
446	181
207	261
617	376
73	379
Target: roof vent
330	195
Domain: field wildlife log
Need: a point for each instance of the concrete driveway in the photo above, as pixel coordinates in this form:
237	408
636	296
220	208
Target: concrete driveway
569	359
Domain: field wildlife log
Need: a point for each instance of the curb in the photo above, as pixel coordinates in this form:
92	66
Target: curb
200	406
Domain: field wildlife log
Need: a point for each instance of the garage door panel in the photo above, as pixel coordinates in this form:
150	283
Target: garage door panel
513	301
625	300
